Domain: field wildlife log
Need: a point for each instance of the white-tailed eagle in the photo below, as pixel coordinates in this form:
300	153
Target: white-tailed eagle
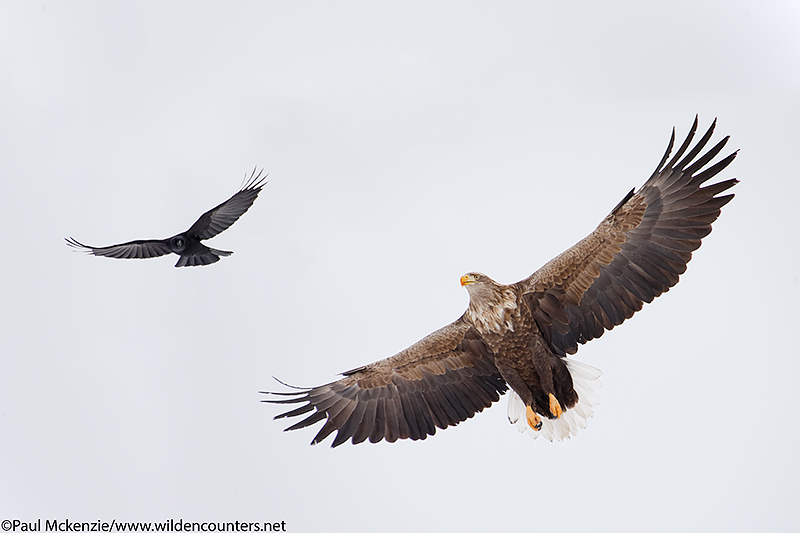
518	336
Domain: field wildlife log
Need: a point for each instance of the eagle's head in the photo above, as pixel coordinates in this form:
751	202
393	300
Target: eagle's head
479	285
491	305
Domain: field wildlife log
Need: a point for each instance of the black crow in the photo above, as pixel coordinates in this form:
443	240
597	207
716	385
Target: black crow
187	244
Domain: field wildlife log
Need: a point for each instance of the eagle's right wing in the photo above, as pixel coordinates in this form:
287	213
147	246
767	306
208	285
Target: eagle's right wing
637	252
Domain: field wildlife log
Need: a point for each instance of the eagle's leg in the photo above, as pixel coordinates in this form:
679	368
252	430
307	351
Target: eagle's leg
509	370
534	420
555	407
542	360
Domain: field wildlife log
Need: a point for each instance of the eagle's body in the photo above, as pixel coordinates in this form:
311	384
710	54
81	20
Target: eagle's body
509	329
518	336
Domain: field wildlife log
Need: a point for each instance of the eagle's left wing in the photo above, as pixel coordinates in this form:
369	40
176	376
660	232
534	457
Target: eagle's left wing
440	381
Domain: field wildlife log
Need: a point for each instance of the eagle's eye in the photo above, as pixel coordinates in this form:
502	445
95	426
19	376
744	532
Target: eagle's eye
477	277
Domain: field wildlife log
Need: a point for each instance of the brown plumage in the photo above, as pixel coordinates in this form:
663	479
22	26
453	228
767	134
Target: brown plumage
519	335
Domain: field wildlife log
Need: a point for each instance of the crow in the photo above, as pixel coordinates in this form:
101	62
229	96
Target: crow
187	244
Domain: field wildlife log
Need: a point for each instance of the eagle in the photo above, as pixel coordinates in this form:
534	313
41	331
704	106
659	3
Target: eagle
187	245
518	336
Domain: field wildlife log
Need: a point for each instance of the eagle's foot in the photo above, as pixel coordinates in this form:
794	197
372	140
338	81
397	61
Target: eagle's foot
534	420
555	407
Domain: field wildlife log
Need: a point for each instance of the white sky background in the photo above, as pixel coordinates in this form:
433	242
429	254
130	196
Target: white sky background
406	146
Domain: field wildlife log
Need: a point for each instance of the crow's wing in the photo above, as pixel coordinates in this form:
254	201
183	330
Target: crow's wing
128	250
222	217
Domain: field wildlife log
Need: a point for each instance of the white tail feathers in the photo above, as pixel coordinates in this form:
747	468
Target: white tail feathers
586	382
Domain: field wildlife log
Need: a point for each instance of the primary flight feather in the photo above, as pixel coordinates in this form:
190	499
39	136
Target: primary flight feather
187	244
518	336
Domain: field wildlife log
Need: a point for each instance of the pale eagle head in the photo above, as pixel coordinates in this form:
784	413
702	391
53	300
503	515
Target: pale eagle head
492	306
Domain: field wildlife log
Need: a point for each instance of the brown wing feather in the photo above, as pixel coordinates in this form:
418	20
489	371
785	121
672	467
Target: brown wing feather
440	381
637	252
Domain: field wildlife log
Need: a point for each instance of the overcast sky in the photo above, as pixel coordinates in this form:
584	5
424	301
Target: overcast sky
405	146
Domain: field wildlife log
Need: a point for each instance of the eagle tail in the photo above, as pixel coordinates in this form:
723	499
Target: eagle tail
586	382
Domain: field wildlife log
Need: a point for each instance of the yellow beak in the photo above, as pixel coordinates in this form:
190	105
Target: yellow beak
466	279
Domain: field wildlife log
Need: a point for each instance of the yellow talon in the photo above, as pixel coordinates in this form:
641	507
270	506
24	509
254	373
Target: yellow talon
534	420
555	407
